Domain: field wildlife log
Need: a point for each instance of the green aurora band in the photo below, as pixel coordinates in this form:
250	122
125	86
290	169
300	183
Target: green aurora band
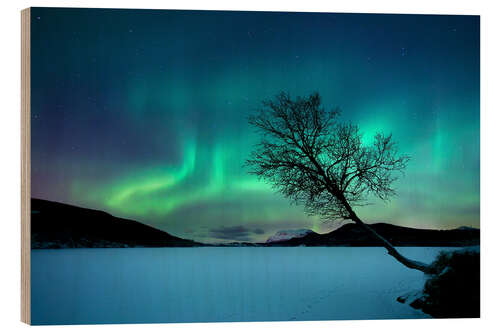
147	119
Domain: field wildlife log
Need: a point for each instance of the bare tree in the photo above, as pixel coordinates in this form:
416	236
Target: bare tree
313	159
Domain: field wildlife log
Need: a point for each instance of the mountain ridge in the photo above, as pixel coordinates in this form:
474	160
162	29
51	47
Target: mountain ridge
351	234
59	225
283	235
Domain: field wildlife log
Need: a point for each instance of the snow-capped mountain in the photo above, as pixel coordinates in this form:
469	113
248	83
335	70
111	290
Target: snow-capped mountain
284	235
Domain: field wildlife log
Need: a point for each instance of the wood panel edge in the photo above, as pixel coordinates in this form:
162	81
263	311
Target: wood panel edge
25	167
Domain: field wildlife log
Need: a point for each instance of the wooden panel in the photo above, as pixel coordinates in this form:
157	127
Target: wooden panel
25	167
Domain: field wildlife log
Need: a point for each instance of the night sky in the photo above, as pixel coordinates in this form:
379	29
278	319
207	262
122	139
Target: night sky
143	114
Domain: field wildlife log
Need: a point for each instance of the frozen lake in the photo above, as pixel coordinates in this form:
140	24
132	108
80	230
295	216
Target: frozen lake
150	285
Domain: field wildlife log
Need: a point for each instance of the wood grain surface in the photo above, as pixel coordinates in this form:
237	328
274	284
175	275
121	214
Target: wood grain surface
25	167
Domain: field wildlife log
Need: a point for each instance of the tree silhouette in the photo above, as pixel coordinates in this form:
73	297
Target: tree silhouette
315	160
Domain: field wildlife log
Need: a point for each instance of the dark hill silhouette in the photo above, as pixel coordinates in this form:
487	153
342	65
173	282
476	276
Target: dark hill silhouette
352	234
57	225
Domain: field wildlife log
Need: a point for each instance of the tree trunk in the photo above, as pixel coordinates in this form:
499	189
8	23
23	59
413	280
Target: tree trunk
413	264
393	252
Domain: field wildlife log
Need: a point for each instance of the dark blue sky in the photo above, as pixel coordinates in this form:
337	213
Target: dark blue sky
142	113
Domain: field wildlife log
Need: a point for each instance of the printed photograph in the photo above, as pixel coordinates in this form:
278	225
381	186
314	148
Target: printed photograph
225	166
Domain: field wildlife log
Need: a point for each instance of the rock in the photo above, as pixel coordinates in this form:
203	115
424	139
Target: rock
452	290
413	298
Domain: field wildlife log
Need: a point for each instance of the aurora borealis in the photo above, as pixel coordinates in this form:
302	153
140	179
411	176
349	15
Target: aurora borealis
143	114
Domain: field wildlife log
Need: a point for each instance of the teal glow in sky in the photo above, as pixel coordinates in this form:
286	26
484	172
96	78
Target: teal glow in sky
143	113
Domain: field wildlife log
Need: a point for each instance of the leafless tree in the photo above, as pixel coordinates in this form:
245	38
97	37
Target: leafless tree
315	160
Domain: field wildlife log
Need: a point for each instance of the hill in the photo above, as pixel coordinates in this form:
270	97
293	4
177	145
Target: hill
57	225
352	234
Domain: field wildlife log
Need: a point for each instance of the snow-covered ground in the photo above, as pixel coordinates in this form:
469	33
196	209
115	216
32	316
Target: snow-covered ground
141	285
